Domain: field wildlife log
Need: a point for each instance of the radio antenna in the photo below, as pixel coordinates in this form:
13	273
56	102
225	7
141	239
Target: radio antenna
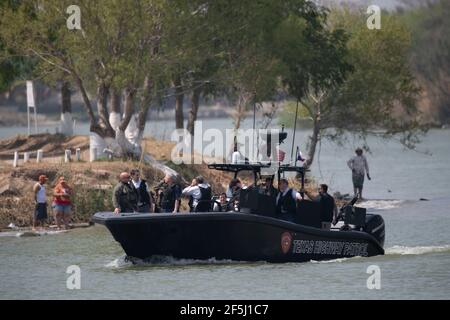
295	129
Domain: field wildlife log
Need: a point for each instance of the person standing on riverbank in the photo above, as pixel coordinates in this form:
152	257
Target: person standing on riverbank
359	166
144	204
40	197
62	203
125	197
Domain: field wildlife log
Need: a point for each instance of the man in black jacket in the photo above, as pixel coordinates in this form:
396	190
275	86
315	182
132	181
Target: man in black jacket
328	208
144	200
124	196
169	193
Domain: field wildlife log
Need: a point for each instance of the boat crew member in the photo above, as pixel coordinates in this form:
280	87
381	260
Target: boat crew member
40	197
169	194
286	201
328	208
234	193
141	187
359	166
268	189
222	205
125	197
200	194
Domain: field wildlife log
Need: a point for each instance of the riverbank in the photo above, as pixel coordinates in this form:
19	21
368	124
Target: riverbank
92	182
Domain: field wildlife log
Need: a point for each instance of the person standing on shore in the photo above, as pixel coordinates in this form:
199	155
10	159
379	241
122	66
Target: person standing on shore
40	197
359	166
125	197
61	203
144	200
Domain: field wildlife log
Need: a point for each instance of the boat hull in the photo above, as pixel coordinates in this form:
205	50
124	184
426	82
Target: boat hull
232	236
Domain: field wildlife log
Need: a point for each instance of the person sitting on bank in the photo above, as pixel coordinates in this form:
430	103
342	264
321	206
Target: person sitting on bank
125	197
169	193
222	205
40	198
61	203
144	200
328	208
200	194
286	201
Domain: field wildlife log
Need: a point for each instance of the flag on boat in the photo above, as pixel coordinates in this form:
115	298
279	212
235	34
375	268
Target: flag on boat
300	157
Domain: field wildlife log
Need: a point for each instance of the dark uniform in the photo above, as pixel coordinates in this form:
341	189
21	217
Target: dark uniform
204	204
286	205
125	197
327	205
144	200
170	194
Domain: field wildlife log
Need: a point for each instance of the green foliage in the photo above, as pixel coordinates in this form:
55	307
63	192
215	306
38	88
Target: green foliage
381	91
430	51
287	117
88	201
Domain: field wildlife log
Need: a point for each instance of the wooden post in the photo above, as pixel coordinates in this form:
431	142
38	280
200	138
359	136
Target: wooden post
67	155
40	156
26	157
93	154
16	159
78	154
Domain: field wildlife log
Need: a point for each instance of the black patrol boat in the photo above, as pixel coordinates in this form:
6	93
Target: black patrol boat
252	233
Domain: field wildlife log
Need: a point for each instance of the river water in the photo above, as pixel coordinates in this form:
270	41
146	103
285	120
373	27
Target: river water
416	264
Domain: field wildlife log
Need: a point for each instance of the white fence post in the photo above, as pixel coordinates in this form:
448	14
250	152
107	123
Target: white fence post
67	156
16	159
78	154
26	157
93	154
40	156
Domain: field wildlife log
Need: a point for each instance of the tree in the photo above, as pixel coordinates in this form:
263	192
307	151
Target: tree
115	49
315	58
377	97
430	54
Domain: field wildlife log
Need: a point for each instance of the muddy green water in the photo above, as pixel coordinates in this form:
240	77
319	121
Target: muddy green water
416	264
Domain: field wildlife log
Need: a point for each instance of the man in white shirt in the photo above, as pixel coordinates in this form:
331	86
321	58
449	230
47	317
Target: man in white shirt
144	199
286	201
40	197
200	194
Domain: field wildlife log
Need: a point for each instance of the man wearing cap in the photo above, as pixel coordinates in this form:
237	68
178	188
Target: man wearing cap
40	197
359	166
125	197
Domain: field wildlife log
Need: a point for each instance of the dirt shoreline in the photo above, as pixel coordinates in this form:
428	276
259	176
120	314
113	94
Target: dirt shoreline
92	182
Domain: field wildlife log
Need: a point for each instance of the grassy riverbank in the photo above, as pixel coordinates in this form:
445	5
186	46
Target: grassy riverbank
92	182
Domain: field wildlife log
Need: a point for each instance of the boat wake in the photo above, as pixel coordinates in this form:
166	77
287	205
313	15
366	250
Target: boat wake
124	261
339	260
380	204
403	250
29	234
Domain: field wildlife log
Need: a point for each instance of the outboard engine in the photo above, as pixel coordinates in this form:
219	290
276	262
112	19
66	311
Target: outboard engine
375	227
